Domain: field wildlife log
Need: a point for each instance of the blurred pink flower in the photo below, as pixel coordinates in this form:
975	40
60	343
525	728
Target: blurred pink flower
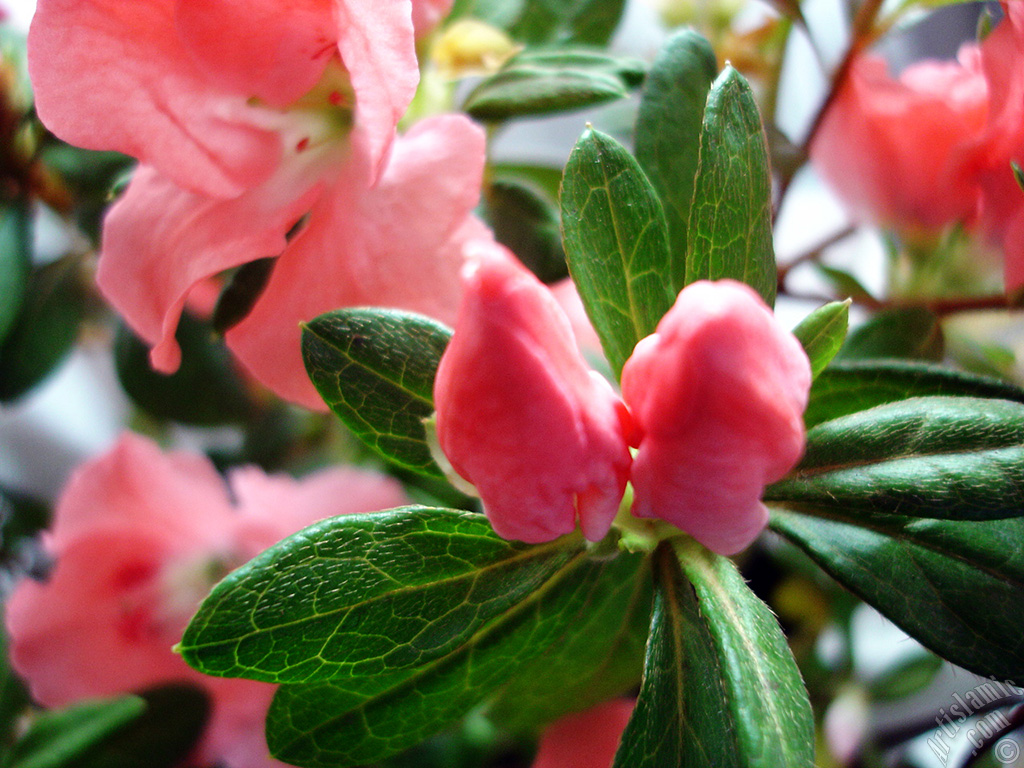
249	117
893	149
519	413
587	739
139	538
717	394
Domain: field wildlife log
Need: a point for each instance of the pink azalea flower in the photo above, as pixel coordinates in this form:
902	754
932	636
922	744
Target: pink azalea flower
248	115
893	149
586	739
139	537
520	415
717	395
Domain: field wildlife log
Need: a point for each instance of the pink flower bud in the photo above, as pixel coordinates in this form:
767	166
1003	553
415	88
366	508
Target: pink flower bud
586	739
717	395
519	414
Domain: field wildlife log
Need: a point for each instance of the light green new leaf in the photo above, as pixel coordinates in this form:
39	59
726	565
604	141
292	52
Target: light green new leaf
721	688
543	81
957	587
821	333
375	369
668	130
730	232
616	243
360	720
363	595
956	458
847	387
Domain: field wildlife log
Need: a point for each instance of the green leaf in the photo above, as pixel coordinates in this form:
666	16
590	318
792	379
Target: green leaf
206	389
843	282
847	387
668	132
241	293
616	242
905	678
364	719
721	688
59	738
601	658
538	82
525	220
45	330
375	368
730	231
822	332
914	333
364	595
957	587
957	458
14	698
15	261
589	22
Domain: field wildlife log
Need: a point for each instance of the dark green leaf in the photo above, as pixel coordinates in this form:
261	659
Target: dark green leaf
847	387
668	132
45	330
525	220
720	688
15	261
241	293
161	737
601	658
365	719
537	82
905	678
375	368
56	739
14	698
206	389
730	232
957	458
913	333
957	587
822	332
616	242
589	22
364	595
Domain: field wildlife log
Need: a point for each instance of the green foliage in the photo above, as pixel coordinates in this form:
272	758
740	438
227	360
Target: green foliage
538	82
363	719
821	333
848	387
914	333
668	132
957	458
957	587
730	228
15	261
545	22
616	242
375	368
206	389
720	687
525	220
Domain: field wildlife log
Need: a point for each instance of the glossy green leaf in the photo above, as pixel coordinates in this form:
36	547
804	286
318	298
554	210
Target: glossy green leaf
364	595
361	720
721	688
957	587
668	132
525	220
538	82
206	389
616	242
45	330
957	458
730	231
589	22
600	658
847	387
375	368
59	738
15	261
821	333
914	333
